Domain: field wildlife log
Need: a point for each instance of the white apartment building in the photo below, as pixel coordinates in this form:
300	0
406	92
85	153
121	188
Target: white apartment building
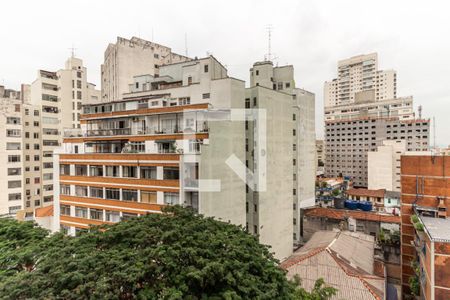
276	89
21	180
383	165
359	75
128	58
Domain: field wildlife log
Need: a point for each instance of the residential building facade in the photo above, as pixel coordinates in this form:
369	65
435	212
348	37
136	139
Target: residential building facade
359	76
276	85
425	237
128	58
383	165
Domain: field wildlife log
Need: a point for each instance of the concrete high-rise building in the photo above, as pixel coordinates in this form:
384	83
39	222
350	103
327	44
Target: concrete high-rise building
425	235
358	77
164	143
129	58
383	165
177	138
34	121
275	85
362	113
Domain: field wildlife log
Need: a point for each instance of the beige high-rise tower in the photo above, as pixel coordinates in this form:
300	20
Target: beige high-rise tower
358	80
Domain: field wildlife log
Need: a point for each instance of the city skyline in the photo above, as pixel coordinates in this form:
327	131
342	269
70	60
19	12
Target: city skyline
307	35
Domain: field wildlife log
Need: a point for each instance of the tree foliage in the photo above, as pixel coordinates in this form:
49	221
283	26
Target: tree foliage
174	255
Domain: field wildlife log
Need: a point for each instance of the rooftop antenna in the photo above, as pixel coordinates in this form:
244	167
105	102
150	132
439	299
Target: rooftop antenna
186	44
420	112
72	51
269	41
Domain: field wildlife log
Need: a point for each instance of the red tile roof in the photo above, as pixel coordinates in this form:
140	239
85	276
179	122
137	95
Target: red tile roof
366	193
341	214
44	211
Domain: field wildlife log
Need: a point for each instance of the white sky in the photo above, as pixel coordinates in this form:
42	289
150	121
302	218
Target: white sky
412	37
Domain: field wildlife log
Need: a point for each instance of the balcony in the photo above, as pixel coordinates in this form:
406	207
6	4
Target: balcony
109	132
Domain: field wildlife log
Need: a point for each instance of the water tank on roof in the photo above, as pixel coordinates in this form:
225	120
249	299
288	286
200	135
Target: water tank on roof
365	206
351	204
339	203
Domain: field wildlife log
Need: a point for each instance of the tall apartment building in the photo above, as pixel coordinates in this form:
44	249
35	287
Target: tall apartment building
383	166
45	109
164	143
425	237
273	89
132	57
357	76
363	115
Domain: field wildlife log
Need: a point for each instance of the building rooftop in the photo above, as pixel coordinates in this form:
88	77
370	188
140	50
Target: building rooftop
366	193
342	214
344	260
46	211
438	229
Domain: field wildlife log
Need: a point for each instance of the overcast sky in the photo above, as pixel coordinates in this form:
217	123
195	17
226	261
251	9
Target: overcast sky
412	37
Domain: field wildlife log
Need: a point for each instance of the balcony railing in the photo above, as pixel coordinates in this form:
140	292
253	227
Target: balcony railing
109	132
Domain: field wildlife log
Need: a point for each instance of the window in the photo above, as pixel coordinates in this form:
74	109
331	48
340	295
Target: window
13	120
294	117
48	187
14	209
14	171
112	216
189	80
48	165
127	216
206	68
36	158
64	189
64	210
81	212
171	173
96	171
113	194
129	195
80	170
112	171
48	199
170	198
13	158
50	143
148	172
14	196
78	74
255	101
280	85
148	197
79	95
64	169
37	180
96	214
247	103
96	192
81	191
129	171
257	72
294	132
206	96
13	132
12	184
288	85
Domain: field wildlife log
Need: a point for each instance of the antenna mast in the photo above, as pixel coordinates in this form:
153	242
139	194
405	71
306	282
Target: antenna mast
72	50
186	44
269	31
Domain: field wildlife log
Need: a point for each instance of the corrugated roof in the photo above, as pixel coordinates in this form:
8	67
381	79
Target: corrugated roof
366	192
343	259
342	214
44	211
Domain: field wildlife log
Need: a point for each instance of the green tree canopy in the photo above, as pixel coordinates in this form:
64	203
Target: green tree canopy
174	255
